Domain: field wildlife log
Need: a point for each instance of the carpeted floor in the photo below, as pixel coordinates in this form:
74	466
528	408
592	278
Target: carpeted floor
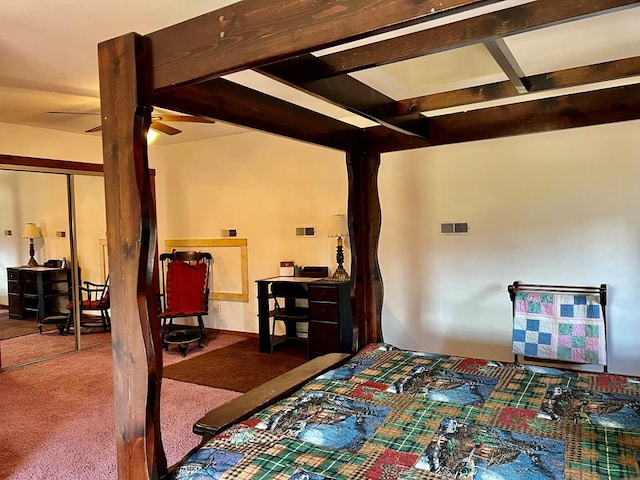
58	415
238	367
10	328
36	347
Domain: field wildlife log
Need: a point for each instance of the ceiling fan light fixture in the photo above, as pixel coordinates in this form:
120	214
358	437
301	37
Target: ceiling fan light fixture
152	135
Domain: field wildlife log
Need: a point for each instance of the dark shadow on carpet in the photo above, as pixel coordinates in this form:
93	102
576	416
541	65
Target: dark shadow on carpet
239	367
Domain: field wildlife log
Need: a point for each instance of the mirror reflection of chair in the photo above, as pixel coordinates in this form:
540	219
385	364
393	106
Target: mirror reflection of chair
94	297
287	297
185	287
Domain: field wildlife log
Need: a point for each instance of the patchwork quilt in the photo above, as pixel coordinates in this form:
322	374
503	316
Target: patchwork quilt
560	327
396	414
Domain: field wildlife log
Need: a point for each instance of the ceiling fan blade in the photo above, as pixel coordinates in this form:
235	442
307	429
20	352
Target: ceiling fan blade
161	127
94	129
183	118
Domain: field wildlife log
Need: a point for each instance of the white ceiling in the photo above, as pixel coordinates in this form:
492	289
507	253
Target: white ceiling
48	58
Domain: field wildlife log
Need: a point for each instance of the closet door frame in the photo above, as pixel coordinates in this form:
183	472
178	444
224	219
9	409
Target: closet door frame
70	169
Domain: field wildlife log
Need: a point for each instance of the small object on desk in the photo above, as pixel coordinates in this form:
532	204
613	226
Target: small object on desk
287	269
317	272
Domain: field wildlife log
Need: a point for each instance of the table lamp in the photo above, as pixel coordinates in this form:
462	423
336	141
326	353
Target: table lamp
31	231
338	228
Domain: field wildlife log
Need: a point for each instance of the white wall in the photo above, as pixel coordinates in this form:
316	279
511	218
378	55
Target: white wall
263	186
558	208
43	143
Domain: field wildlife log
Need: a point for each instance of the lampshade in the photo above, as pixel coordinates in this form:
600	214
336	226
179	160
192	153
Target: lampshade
338	226
31	231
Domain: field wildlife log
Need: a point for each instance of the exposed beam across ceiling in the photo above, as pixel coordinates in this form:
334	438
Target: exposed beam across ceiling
310	74
570	77
239	105
610	105
502	23
504	58
270	32
347	92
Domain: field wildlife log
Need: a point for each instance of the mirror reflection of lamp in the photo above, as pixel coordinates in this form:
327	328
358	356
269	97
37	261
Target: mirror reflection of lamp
339	228
31	231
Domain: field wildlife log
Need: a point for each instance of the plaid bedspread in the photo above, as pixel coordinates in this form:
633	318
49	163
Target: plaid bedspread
396	414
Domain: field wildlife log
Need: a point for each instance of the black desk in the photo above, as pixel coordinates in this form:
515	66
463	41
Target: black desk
36	289
331	323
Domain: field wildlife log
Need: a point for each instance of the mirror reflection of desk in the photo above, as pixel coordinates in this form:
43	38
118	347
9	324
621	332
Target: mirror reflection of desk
331	323
36	290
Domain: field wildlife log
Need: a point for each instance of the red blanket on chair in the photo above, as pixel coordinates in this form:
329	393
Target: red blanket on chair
186	288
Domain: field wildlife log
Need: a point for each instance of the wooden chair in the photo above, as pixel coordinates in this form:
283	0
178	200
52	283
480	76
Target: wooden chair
286	298
94	297
185	286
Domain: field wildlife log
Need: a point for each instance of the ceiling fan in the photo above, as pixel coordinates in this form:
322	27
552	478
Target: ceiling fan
157	120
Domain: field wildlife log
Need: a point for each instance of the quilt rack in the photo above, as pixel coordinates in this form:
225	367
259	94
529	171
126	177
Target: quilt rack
545	327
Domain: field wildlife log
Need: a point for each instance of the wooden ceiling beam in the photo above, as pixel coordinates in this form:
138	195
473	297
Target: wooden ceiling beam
510	21
251	33
570	77
507	62
346	92
610	105
308	73
232	103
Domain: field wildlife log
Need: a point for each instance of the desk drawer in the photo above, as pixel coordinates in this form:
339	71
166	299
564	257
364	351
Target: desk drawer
13	275
323	337
324	293
15	306
324	311
14	287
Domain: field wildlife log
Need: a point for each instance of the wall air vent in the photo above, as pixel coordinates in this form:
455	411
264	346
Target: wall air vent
305	231
454	228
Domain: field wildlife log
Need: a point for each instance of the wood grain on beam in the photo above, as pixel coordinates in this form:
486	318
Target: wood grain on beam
239	105
251	33
571	77
348	93
365	222
523	18
131	231
610	105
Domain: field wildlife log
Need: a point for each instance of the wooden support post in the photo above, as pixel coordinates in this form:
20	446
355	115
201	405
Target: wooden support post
131	235
365	220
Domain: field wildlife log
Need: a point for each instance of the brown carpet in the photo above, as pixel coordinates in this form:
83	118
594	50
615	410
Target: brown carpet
10	328
239	367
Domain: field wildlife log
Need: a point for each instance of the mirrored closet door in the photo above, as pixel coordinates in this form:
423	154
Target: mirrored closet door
49	222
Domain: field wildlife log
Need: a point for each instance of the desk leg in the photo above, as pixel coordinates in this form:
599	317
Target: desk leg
263	317
41	309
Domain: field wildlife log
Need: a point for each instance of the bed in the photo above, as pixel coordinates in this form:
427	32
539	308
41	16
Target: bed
181	68
391	413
